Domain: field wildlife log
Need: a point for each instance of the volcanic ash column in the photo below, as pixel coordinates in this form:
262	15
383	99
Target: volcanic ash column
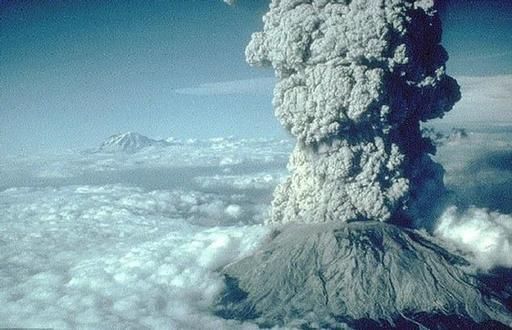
355	80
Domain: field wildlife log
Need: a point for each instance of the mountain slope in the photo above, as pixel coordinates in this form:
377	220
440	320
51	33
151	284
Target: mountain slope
129	142
361	274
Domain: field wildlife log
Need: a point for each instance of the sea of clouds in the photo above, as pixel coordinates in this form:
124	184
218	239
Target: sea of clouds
135	241
118	240
478	219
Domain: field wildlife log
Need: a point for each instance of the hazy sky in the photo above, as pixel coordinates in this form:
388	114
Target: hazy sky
74	72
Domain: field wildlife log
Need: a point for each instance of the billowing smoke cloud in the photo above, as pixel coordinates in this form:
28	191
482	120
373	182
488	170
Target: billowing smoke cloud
355	80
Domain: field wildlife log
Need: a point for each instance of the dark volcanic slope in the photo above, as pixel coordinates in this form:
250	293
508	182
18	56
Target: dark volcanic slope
363	274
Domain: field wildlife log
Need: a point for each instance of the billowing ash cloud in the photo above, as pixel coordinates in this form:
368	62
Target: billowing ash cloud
356	78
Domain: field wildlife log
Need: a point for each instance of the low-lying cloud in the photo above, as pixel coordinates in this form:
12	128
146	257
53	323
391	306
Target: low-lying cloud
145	253
260	86
483	236
116	256
485	98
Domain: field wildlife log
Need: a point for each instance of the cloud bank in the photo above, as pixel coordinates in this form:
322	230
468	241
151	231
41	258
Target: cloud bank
484	98
483	236
248	86
116	256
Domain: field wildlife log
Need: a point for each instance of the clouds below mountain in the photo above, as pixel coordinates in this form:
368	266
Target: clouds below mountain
479	174
485	98
249	86
484	237
135	240
116	256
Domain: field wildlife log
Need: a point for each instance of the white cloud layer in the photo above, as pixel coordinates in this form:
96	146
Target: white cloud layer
249	86
484	98
485	237
479	167
264	180
78	250
479	173
115	257
161	166
110	254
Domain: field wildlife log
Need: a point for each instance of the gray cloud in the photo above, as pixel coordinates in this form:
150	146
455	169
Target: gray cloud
355	80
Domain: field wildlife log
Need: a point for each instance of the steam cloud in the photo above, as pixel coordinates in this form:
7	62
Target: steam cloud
356	78
484	237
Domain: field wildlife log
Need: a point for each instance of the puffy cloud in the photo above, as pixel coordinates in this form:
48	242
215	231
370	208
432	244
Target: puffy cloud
263	180
154	167
485	237
355	80
233	210
479	175
89	256
116	256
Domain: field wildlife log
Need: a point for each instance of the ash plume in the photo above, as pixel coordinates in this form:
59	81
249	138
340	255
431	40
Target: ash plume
356	78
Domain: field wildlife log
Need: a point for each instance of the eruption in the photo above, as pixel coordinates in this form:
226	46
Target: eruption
356	78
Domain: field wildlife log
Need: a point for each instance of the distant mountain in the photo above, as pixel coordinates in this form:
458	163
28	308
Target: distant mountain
129	142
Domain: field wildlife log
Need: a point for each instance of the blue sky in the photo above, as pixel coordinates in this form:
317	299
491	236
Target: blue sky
74	72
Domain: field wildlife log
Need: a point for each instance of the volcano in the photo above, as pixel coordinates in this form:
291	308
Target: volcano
361	275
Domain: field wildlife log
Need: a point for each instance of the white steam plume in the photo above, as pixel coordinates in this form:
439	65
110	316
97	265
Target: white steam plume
355	80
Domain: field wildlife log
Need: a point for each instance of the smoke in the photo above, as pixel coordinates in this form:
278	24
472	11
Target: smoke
356	78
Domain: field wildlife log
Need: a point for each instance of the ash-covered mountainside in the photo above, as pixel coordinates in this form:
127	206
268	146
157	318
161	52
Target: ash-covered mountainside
129	142
361	275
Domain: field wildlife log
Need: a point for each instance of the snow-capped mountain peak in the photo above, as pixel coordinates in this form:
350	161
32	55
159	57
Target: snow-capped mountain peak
128	142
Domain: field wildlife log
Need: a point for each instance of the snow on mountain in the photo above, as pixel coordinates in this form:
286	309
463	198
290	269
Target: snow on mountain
129	142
